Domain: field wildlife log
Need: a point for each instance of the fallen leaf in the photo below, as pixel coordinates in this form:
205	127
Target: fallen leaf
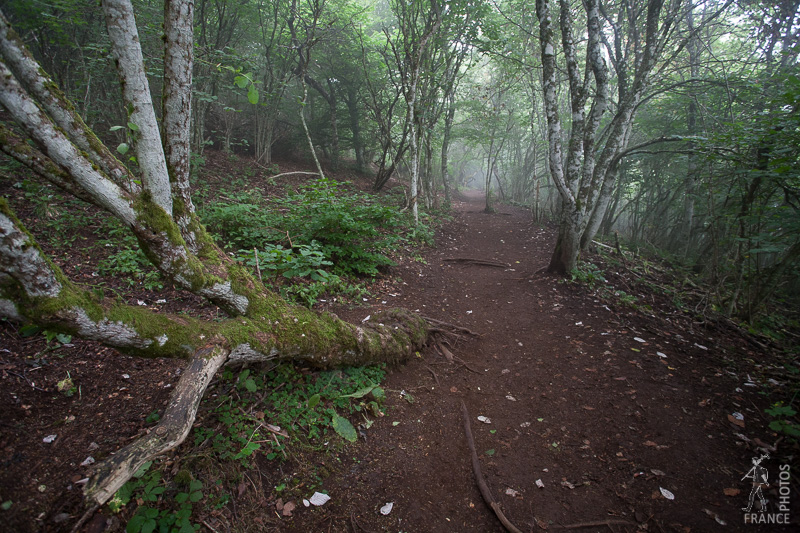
731	492
650	443
485	419
716	517
735	421
288	507
657	472
667	494
386	509
539	483
319	499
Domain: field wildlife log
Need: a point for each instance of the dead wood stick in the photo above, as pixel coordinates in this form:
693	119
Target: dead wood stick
608	523
111	474
476	469
482	262
294	173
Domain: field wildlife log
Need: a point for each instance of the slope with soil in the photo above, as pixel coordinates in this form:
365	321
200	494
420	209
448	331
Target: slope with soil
594	408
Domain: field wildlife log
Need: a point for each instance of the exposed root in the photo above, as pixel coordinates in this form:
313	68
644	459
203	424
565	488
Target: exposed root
597	523
482	262
435	377
462	329
459	360
447	353
476	469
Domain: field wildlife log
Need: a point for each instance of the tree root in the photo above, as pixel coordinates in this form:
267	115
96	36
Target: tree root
171	431
597	523
481	262
476	469
433	321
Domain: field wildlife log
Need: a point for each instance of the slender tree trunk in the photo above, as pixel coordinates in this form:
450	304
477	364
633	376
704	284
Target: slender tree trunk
355	127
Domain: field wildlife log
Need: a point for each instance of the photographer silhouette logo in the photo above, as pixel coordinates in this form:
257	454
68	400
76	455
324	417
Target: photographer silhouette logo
760	481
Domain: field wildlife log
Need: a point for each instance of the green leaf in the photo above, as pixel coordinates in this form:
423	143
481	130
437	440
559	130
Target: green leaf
123	148
241	81
344	428
196	484
490	452
6	505
135	524
313	401
133	127
250	385
360	393
116	128
181	497
196	497
379	393
252	95
247	450
29	331
142	469
149	526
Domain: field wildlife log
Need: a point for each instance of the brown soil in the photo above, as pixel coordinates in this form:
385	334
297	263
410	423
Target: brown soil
602	404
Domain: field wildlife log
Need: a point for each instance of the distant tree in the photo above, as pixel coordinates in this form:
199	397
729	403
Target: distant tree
640	41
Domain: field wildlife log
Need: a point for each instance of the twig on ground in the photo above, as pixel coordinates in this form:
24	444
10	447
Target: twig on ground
435	377
482	262
26	379
459	360
608	523
356	525
476	469
294	173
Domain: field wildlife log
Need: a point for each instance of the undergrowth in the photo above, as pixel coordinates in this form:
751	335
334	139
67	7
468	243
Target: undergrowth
308	412
323	233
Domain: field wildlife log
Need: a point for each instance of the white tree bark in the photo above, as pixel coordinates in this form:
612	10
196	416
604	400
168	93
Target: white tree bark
177	111
127	51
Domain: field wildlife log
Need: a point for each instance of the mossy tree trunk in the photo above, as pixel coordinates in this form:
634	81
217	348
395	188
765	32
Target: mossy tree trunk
157	208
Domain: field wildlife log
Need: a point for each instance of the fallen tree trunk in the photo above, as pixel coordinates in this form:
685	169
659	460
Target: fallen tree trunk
110	475
33	289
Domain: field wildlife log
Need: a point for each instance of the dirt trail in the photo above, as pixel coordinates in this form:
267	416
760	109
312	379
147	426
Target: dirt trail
574	399
602	419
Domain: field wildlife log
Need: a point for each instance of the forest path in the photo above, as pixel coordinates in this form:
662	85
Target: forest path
604	406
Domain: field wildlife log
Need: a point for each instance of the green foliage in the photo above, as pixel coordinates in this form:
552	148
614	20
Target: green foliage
149	488
324	225
782	422
587	273
132	265
304	405
305	260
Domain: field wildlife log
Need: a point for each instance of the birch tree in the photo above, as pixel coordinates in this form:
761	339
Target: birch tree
639	39
154	202
418	22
